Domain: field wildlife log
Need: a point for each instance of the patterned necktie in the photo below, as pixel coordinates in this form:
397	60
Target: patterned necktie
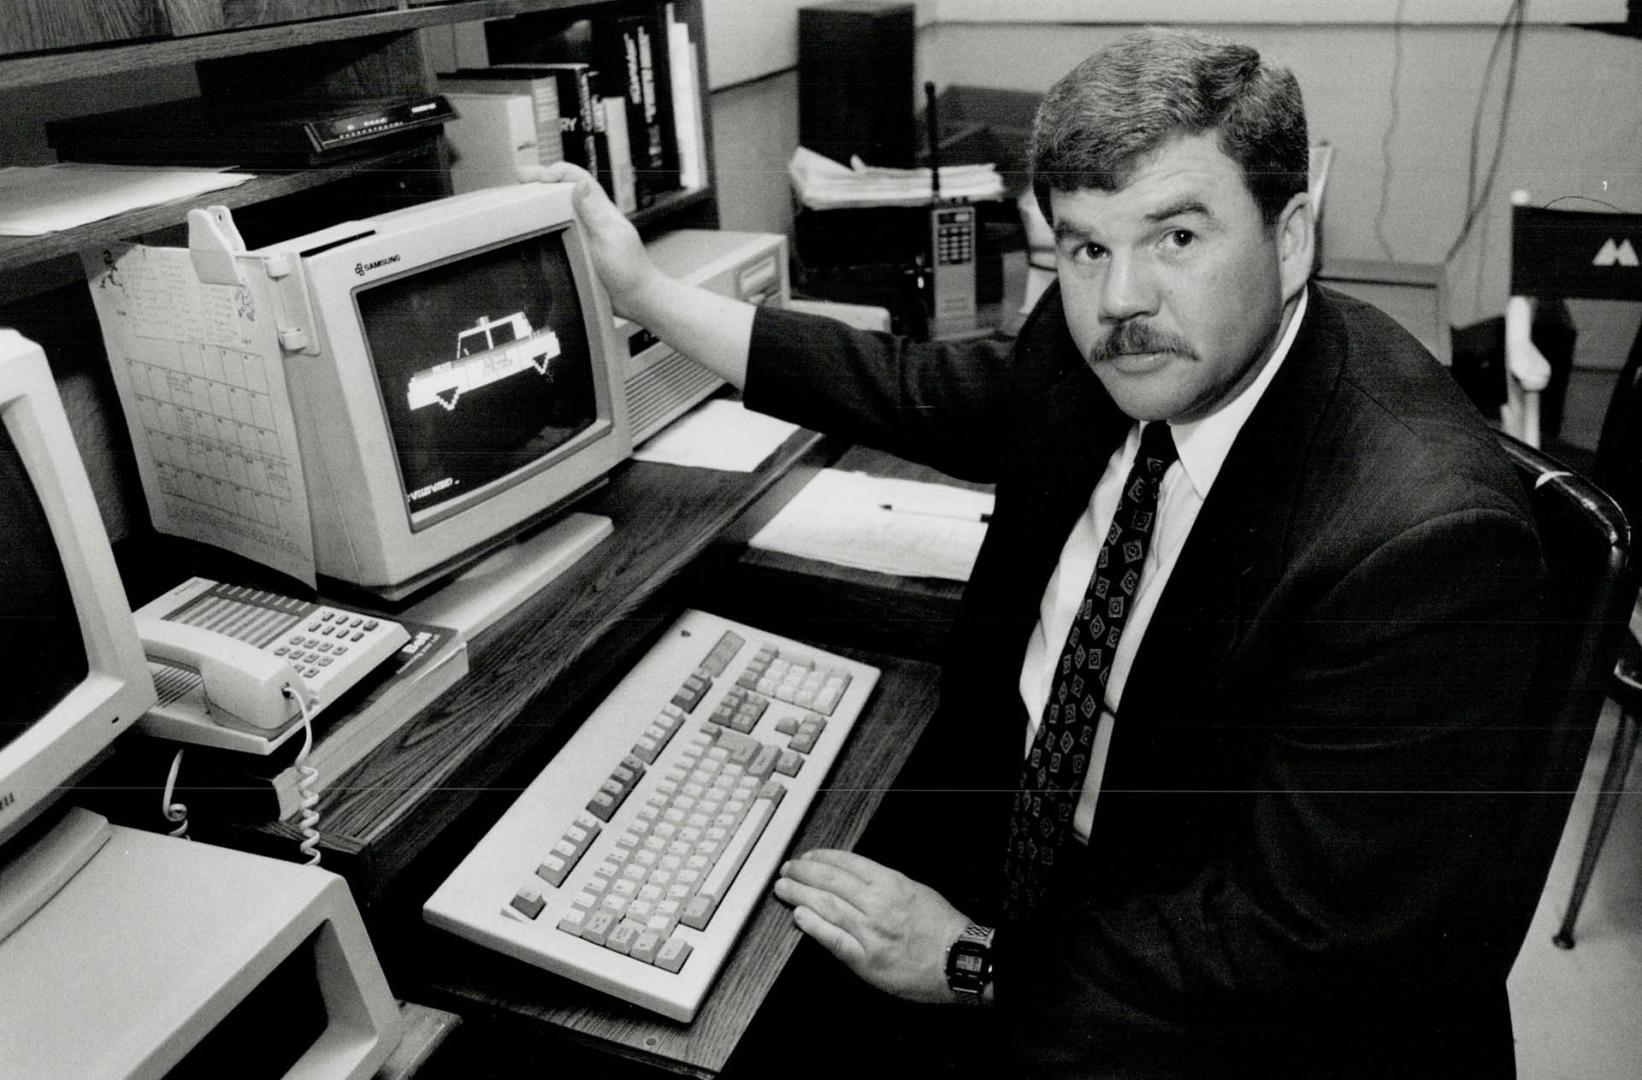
1052	778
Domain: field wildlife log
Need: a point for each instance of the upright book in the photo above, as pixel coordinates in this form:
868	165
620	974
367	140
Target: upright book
644	40
542	90
572	94
689	128
493	139
624	187
628	51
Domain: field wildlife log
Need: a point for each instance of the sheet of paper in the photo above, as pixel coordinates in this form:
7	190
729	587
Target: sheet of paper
202	383
40	199
720	434
903	527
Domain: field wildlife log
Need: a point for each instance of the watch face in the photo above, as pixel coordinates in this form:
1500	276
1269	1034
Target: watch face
968	967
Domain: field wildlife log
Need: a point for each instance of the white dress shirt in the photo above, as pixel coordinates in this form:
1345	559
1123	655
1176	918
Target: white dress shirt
1203	446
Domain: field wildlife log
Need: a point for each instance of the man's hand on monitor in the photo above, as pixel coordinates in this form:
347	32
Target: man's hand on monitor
711	329
617	252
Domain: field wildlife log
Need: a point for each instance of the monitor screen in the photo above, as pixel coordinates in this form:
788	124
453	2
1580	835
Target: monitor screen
39	624
483	367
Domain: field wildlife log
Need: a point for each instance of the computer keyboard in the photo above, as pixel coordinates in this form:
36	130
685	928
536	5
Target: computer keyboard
635	857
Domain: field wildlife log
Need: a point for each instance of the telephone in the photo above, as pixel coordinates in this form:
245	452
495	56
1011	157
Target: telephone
252	686
952	309
230	662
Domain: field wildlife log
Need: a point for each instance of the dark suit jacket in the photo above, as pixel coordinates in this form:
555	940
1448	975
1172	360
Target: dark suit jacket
1295	860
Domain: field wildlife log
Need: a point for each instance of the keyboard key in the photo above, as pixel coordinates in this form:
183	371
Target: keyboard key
672	954
528	901
621	938
645	946
596	928
553	869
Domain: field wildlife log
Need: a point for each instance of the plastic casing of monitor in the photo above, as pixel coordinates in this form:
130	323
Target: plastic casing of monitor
123	949
36	765
363	532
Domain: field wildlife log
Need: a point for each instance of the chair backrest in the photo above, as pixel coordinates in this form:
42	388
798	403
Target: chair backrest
1586	542
1618	465
1562	254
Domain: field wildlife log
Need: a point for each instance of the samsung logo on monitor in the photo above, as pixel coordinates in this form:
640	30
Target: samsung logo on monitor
362	269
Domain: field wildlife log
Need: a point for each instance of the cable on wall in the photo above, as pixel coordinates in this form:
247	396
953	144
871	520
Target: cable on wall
1476	198
1390	130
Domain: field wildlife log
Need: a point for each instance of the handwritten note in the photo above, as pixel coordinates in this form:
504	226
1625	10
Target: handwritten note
904	527
201	381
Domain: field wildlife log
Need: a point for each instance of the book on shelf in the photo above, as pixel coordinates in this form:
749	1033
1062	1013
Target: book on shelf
689	130
573	96
601	137
492	138
644	37
542	91
251	788
624	189
629	53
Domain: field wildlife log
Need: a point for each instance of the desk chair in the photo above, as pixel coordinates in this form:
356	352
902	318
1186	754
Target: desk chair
1572	254
1586	542
1617	469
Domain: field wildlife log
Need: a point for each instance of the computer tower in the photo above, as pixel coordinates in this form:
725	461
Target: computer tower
661	383
856	81
161	957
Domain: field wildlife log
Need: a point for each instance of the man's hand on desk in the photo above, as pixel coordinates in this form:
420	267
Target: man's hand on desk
885	927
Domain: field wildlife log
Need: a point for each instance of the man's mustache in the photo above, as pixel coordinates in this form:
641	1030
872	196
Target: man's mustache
1138	337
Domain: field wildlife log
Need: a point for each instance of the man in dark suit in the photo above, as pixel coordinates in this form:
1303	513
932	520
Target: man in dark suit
1231	728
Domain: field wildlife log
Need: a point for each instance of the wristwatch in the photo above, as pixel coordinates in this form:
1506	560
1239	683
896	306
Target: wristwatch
969	963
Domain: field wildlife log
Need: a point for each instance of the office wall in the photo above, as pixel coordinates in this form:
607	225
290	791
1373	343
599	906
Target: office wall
755	129
751	39
1275	11
1397	104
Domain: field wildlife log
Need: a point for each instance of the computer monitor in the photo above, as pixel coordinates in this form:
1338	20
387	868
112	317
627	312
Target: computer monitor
128	953
65	627
458	380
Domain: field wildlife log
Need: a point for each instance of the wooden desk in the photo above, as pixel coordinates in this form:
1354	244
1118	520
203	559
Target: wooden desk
532	676
840	606
398	822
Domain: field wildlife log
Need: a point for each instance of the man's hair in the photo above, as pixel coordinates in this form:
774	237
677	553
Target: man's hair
1097	123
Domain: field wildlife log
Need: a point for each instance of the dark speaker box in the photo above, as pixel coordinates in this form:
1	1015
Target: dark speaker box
855	81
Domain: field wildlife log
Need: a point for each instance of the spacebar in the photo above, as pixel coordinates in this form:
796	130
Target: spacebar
717	882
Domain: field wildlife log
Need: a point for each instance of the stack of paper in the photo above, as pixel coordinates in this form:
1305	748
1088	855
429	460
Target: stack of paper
823	184
724	435
35	200
903	527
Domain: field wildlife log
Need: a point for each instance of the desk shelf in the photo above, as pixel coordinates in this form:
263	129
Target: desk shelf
45	66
